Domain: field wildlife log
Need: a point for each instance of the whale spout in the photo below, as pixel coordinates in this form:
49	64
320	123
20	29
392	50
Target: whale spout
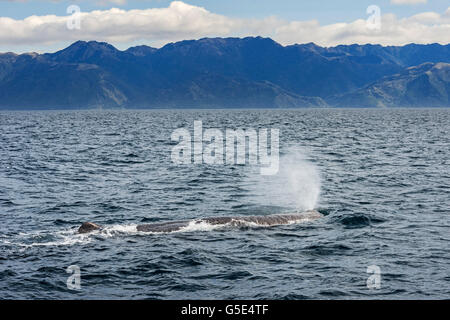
87	227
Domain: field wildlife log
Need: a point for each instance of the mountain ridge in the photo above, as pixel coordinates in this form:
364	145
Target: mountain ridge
425	85
209	72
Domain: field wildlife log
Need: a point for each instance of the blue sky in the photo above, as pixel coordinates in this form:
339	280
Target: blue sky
326	11
421	22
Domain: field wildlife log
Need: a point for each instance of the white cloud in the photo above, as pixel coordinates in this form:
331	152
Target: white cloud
115	2
182	21
401	2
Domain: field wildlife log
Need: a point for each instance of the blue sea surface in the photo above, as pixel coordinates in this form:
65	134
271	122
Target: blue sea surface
380	177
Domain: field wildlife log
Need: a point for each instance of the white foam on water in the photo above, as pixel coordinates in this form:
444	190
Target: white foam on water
68	237
117	229
192	226
200	225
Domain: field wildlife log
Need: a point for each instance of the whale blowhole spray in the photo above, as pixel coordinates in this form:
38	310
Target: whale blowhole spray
296	185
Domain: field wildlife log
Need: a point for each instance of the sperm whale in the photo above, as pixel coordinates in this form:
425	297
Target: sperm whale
264	221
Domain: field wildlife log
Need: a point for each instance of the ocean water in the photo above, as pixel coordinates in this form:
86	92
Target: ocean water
381	179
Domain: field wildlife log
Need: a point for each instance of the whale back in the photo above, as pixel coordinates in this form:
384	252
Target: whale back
162	227
269	220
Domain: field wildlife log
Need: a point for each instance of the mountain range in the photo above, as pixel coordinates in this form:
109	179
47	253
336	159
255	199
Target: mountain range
227	73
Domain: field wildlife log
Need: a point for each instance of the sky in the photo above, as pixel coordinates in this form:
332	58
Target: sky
50	25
